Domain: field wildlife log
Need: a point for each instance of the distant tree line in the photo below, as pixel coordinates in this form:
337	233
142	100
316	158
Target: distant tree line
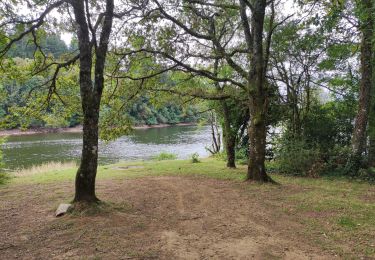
16	94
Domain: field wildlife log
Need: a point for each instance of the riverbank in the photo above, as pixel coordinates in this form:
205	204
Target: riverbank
76	129
183	210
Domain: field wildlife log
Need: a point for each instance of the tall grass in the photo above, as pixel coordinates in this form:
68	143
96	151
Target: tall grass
44	168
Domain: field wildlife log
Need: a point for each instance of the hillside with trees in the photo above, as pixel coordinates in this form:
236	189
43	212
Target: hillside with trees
20	91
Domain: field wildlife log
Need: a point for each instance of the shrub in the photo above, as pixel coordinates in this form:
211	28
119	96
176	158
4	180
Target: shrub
195	158
242	155
222	155
294	157
3	178
164	156
367	174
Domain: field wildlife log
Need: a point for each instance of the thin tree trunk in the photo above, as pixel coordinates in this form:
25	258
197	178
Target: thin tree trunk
371	151
229	137
230	146
371	132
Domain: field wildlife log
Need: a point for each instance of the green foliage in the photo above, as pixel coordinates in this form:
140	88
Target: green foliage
51	44
24	105
328	125
242	155
113	125
195	158
24	99
164	156
294	156
366	174
143	112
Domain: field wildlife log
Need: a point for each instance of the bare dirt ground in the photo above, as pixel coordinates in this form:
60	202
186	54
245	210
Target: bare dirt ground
156	218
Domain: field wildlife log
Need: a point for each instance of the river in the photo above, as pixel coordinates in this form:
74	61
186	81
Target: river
26	150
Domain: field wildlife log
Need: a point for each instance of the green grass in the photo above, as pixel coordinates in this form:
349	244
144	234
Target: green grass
335	212
207	168
164	156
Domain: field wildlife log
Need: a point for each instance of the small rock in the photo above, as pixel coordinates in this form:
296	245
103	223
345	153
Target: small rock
62	209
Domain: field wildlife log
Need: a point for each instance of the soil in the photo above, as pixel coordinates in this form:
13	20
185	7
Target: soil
152	218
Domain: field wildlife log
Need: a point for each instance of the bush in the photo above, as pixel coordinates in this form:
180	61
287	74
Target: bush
195	158
3	178
164	156
337	159
294	157
367	174
242	155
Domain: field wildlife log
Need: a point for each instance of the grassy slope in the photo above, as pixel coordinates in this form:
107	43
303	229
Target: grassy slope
339	215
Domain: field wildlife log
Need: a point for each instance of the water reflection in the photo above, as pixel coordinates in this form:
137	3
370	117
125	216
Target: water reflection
24	151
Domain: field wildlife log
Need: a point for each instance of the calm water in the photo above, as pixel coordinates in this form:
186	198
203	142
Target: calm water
24	151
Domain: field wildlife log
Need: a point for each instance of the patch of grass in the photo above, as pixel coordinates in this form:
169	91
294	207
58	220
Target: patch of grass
100	208
341	211
164	156
209	167
346	222
45	167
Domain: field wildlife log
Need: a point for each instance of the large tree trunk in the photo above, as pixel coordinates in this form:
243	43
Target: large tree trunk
257	143
258	103
229	136
359	135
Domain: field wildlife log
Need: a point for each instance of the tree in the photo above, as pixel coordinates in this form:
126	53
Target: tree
93	43
222	30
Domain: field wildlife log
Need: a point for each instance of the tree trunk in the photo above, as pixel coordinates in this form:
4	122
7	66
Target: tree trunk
258	104
229	137
371	132
371	150
91	94
230	147
359	135
86	175
257	143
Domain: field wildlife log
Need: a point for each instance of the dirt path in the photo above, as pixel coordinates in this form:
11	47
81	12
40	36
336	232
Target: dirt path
157	218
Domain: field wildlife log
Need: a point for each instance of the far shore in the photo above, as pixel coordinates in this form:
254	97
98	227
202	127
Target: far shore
76	129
